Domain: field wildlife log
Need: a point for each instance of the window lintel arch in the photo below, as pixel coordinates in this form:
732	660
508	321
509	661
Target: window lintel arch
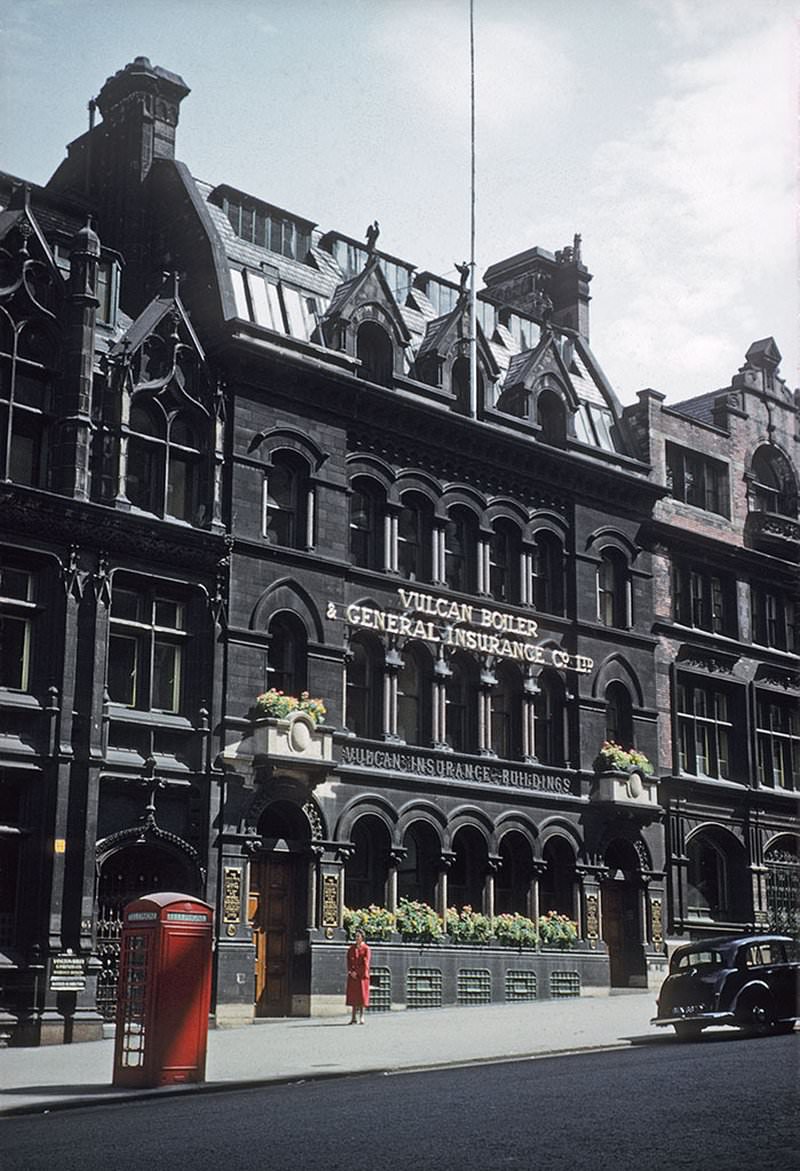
288	596
615	668
288	439
365	805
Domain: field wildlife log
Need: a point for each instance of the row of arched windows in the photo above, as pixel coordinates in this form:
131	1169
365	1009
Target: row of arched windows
420	864
456	703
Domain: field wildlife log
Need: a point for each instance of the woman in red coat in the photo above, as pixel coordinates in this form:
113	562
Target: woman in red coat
357	992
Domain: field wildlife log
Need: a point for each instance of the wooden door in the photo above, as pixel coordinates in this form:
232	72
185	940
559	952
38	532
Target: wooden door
614	931
272	910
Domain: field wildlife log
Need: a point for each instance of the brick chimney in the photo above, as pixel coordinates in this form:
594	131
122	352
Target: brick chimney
546	286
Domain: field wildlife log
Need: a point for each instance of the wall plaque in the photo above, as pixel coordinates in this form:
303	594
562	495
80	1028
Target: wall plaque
67	973
232	895
656	923
592	918
330	901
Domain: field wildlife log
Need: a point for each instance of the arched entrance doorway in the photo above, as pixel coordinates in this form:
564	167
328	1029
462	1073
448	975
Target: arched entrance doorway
126	870
621	895
278	911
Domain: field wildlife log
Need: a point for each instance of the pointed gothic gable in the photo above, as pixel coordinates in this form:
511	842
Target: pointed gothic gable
527	368
443	335
29	274
163	354
369	288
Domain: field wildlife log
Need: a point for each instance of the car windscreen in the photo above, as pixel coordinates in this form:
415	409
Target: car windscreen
702	958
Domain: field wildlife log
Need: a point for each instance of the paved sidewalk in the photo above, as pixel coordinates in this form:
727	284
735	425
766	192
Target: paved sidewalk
55	1077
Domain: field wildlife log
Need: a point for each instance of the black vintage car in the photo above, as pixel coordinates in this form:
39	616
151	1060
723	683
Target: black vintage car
752	981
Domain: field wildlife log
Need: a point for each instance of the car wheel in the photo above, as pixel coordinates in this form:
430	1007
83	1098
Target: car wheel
756	1018
688	1030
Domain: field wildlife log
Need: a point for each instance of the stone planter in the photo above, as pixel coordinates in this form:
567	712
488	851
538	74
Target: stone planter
625	787
290	742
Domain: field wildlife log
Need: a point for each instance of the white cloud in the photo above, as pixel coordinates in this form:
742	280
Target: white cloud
695	212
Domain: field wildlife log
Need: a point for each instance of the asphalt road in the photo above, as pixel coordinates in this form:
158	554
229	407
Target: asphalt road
727	1102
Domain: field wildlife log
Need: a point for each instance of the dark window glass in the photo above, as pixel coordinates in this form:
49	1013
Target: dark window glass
286	500
698	480
548	574
504	562
366	526
461	545
706	730
619	715
375	352
287	654
147	648
414	539
365	687
778	736
612	589
549	711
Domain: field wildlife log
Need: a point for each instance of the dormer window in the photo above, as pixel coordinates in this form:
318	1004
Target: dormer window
374	351
551	417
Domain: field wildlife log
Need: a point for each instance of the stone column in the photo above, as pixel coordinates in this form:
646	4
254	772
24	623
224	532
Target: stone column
438	563
493	866
396	856
441	673
488	680
392	665
538	869
445	862
530	690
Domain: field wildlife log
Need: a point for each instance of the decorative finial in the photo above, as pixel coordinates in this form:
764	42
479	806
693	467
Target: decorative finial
463	272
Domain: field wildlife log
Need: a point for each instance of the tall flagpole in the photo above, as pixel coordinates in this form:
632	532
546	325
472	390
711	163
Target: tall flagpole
473	315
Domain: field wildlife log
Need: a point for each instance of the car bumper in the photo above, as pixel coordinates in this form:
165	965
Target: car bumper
700	1018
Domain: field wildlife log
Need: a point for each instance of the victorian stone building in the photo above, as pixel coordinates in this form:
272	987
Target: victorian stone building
244	452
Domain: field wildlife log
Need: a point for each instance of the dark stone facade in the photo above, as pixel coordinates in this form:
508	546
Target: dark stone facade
270	470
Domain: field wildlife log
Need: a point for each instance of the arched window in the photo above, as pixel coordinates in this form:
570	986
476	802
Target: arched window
466	879
417	872
461	550
612	589
552	418
286	491
513	882
506	718
413	696
375	352
414	540
549	711
619	715
367	870
773	488
459	377
716	877
366	524
504	562
365	686
548	573
288	668
461	699
557	884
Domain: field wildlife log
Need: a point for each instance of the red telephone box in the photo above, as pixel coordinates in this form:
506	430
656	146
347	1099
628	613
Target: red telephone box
164	991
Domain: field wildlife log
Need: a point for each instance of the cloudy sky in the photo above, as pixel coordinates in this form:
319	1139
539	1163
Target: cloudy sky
664	131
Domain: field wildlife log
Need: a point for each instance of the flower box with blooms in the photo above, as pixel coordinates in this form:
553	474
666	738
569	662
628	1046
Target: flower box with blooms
515	930
557	930
417	922
377	923
467	926
277	705
613	757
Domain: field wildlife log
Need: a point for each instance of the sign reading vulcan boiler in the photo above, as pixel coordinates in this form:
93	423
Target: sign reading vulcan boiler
462	626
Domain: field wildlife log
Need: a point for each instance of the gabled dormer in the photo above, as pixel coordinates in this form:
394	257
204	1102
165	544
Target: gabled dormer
162	421
442	358
364	320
